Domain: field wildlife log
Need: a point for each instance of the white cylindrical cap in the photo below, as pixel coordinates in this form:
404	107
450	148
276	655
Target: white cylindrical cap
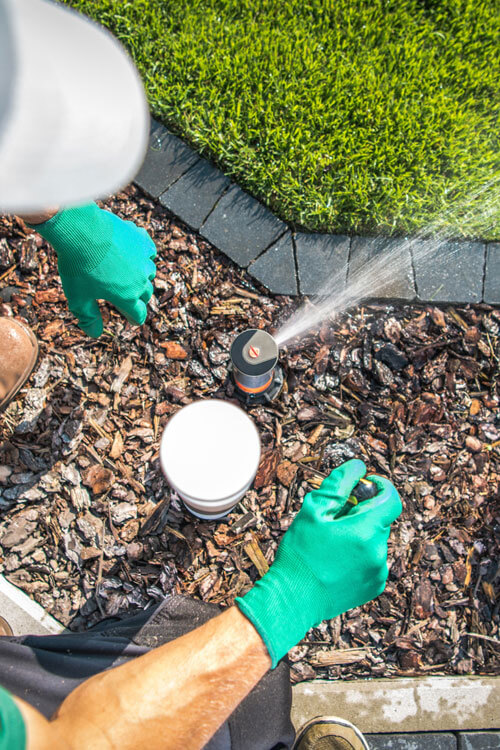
209	454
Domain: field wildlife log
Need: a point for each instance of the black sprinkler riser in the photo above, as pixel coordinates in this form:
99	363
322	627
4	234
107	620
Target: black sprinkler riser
254	358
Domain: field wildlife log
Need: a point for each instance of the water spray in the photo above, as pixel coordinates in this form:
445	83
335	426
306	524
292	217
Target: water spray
256	372
259	378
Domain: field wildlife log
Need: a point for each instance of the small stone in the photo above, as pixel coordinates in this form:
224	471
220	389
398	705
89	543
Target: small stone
429	502
473	444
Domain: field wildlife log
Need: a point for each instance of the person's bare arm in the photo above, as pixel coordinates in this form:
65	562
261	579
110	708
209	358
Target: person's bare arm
40	217
175	696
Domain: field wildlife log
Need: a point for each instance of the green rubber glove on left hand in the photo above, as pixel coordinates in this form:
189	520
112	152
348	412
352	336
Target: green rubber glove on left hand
326	563
101	256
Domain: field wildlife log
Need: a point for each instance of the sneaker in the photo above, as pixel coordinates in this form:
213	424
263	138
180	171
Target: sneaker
5	628
18	355
329	733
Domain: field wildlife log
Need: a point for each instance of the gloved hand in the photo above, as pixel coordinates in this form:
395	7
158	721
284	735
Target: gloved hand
101	256
324	566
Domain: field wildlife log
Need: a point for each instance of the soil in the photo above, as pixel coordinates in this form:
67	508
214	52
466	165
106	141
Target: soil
89	528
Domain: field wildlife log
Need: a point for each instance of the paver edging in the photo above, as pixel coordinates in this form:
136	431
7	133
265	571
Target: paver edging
400	705
24	615
245	230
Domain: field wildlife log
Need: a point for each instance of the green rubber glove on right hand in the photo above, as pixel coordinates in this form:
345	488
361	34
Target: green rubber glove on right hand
101	256
324	565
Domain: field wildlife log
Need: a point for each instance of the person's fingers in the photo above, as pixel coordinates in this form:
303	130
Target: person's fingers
89	316
147	293
134	310
385	507
152	251
150	270
337	487
147	243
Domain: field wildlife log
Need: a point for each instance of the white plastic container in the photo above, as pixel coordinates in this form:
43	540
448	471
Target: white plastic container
209	454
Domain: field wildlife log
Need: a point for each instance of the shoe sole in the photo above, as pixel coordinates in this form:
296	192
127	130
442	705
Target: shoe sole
329	720
29	369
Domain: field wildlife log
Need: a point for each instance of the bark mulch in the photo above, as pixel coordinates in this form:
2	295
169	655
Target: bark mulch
89	527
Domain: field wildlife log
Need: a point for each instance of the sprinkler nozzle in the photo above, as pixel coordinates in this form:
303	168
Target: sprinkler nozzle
256	373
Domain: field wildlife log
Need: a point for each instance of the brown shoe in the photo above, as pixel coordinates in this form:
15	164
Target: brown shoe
18	354
5	628
329	733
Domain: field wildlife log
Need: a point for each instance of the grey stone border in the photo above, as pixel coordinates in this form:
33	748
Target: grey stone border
292	263
404	705
24	615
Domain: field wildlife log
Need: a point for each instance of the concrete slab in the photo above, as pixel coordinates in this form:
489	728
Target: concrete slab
389	271
479	740
321	257
426	741
492	274
25	616
276	267
241	227
167	158
403	705
449	271
195	194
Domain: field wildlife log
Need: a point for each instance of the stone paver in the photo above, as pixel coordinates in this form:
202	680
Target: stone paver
492	274
241	227
425	741
321	258
166	160
449	271
276	267
479	740
389	272
25	616
195	194
403	705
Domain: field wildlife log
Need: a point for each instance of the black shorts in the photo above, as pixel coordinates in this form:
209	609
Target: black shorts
43	670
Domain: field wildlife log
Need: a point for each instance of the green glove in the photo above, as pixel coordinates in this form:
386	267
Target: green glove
101	256
324	565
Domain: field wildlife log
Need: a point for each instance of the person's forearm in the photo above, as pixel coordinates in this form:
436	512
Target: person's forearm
175	696
40	217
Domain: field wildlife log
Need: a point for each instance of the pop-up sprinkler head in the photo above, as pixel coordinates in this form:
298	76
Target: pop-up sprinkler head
256	373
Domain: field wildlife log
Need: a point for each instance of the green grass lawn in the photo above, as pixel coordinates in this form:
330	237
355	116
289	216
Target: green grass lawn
348	115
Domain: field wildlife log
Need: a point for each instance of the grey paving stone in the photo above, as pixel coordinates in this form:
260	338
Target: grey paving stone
381	267
492	275
321	259
166	160
276	267
479	740
194	195
25	616
449	271
241	227
423	741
